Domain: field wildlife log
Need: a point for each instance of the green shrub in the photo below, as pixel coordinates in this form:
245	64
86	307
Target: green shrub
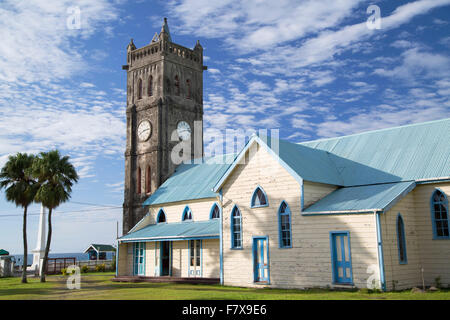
100	268
85	269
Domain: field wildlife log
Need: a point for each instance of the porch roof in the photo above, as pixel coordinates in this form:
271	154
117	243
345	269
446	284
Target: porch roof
379	197
187	230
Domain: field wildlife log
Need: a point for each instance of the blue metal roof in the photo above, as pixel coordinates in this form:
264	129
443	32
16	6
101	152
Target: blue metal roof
379	197
176	231
413	152
192	181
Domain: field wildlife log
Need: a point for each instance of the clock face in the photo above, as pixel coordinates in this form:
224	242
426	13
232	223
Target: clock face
184	130
144	130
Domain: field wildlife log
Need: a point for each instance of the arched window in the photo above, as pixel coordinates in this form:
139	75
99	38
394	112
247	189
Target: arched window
177	86
138	178
236	228
401	240
148	180
188	89
439	214
161	216
259	198
187	214
150	86
215	212
140	89
284	220
168	86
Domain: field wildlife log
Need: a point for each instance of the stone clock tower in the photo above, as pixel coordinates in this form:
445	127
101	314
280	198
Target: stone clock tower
164	99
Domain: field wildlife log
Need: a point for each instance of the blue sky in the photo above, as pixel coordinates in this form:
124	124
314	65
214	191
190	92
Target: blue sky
311	69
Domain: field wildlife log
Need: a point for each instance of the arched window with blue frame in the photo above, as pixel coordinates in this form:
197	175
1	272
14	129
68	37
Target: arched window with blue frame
284	221
439	215
215	212
259	198
161	217
187	214
236	228
401	240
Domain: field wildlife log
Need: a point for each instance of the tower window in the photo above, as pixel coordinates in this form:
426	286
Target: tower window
148	180
140	89
439	215
177	86
188	89
150	86
168	86
138	185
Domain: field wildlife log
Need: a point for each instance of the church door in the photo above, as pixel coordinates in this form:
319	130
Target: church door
195	258
166	254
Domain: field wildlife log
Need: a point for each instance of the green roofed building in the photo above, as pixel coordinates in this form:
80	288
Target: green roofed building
98	251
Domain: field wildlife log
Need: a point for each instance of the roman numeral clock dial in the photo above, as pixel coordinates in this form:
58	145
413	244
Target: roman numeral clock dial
184	130
144	130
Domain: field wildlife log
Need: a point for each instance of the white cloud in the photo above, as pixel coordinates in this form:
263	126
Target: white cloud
418	63
41	106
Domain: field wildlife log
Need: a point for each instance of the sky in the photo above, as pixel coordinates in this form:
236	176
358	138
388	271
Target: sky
312	69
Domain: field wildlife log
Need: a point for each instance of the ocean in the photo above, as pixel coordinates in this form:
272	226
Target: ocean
79	256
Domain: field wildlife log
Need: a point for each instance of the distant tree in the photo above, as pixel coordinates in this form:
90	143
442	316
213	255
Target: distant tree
20	187
56	176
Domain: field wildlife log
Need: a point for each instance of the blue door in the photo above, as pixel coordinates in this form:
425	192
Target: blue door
139	258
261	259
341	257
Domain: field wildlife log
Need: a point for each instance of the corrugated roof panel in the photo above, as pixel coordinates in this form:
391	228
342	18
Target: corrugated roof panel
412	152
176	231
361	199
191	181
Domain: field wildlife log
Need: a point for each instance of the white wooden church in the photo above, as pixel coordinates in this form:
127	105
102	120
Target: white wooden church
352	211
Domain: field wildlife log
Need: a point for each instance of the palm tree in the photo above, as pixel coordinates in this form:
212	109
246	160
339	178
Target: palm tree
56	176
21	188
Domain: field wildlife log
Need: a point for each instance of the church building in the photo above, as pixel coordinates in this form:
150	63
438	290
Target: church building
357	211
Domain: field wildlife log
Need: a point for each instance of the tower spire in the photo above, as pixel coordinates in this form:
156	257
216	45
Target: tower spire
165	31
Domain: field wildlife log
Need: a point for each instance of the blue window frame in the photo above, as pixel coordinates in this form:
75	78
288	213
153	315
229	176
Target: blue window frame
215	212
187	214
236	228
284	225
259	198
401	240
439	215
161	216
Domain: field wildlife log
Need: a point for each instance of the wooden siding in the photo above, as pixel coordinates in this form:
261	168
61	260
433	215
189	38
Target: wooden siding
422	250
308	262
315	191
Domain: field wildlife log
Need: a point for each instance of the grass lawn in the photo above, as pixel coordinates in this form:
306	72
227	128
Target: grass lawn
100	286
